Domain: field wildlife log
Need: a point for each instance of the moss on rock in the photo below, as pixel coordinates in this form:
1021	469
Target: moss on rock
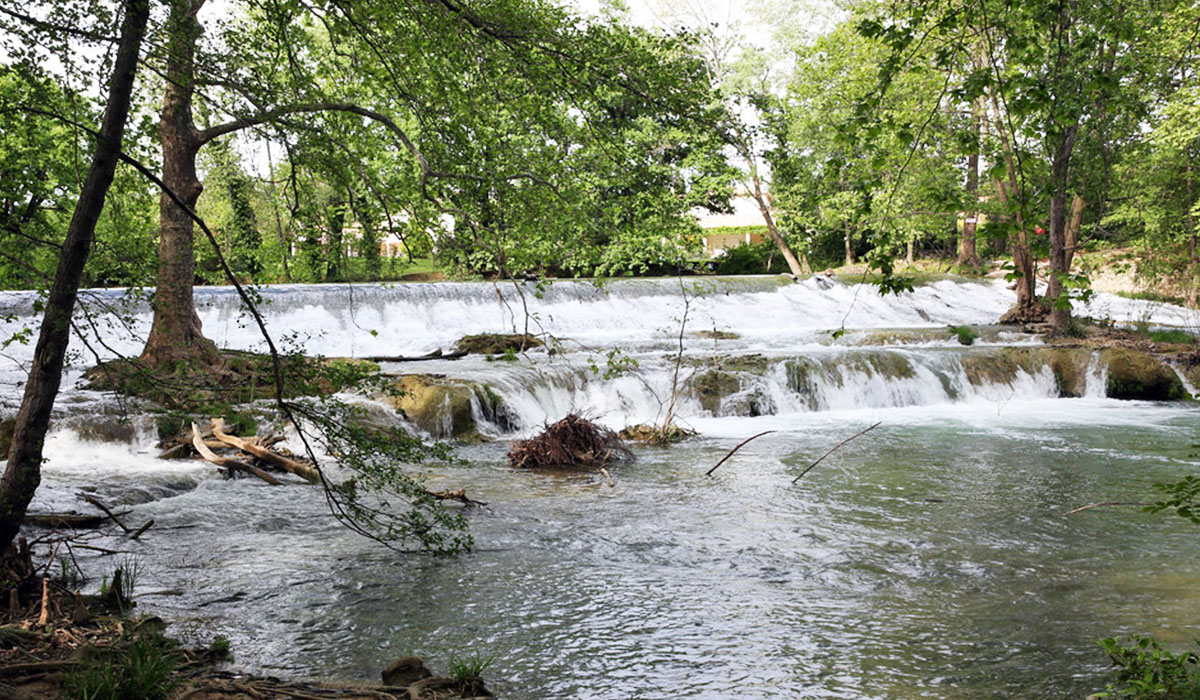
439	406
498	343
711	387
1138	375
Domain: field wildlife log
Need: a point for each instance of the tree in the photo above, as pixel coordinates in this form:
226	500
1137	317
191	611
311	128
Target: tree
426	67
747	82
1067	84
23	471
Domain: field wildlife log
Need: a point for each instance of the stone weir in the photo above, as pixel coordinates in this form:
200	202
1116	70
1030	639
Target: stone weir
508	399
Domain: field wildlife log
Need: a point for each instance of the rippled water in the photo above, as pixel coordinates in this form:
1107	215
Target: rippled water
932	557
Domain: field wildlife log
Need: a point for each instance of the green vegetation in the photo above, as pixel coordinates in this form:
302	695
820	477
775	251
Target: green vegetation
1146	670
138	666
468	668
965	334
220	648
1173	336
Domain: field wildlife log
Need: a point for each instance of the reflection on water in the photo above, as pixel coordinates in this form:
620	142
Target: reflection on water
930	558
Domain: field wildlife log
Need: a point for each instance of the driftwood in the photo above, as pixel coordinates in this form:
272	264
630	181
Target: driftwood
1105	504
304	471
79	521
228	462
458	495
835	448
572	442
435	355
740	445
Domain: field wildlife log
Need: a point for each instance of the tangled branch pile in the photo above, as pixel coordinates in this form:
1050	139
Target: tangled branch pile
572	442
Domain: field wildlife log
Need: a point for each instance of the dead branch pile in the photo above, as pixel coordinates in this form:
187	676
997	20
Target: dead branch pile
572	442
257	456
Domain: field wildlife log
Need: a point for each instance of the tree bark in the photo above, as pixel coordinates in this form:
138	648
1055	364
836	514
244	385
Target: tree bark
176	335
968	255
796	266
23	472
1060	309
1074	223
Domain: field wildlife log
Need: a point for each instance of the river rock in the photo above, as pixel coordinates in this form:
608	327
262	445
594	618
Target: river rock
1138	375
439	406
498	343
405	671
712	387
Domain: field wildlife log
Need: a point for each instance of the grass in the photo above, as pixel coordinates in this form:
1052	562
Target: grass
465	668
1174	335
140	666
1152	296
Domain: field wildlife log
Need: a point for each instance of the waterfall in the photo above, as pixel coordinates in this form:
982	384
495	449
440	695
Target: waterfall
764	345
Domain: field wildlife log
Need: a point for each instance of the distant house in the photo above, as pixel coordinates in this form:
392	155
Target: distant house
723	231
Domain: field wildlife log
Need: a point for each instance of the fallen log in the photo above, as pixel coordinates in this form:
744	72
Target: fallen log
435	355
304	471
96	502
228	462
82	521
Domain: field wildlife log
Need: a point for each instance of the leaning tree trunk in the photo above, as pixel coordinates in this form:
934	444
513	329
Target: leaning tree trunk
797	266
176	334
23	473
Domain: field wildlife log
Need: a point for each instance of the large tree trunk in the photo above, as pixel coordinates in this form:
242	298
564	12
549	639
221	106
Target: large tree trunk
175	335
23	472
1060	314
1074	224
849	244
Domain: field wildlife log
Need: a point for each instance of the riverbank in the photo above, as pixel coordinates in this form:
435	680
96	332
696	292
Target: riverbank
117	657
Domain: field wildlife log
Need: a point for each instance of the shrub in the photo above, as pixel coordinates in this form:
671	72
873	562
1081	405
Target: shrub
965	335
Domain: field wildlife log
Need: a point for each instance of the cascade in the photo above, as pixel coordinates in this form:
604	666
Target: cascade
775	335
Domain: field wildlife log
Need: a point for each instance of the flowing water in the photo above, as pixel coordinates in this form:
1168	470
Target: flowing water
933	557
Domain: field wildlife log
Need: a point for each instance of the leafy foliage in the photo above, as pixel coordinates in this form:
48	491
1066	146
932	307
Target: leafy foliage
1182	496
1146	670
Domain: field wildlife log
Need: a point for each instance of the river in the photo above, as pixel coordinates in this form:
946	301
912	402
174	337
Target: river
932	557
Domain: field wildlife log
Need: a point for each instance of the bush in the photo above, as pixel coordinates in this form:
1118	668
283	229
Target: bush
965	335
745	259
